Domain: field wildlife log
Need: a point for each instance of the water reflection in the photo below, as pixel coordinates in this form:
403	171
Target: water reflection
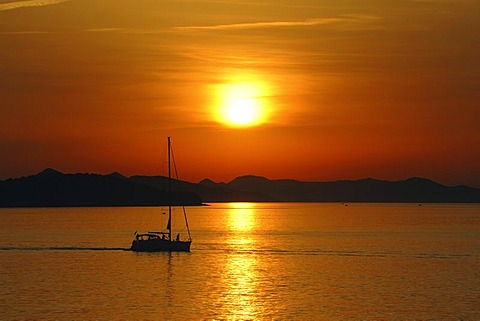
242	223
241	216
240	278
240	293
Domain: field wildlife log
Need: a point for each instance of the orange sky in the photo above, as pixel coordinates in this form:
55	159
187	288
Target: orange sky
349	89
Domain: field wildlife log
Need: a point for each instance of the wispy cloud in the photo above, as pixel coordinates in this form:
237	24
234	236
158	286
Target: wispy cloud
104	30
27	32
28	3
273	24
90	30
250	25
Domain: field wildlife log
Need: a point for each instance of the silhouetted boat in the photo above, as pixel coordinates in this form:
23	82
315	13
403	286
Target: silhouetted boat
163	241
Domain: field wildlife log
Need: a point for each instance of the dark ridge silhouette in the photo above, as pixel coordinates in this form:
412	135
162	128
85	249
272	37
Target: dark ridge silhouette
49	172
51	188
117	175
208	182
412	190
207	190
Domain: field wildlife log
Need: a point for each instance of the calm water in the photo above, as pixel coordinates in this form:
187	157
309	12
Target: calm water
248	262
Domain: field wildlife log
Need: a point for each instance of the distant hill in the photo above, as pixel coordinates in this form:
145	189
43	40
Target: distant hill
51	188
412	190
207	190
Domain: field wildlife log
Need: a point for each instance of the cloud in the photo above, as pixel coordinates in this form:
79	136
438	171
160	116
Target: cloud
104	30
272	24
28	32
28	3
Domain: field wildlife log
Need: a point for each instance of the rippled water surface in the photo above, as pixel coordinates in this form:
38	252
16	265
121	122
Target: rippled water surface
249	261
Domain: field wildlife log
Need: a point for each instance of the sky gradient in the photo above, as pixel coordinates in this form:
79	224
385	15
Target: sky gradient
349	89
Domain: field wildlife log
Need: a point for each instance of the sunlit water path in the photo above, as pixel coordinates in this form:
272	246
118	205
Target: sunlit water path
282	261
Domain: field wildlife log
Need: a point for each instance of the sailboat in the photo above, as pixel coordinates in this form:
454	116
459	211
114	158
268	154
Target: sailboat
163	241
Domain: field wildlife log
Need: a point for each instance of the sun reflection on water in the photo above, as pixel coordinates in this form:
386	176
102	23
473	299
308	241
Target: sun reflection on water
241	293
240	277
241	216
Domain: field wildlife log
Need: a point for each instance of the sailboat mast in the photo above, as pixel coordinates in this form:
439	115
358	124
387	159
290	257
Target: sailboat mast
169	195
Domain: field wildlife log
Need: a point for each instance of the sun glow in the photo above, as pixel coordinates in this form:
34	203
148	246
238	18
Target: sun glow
242	104
241	216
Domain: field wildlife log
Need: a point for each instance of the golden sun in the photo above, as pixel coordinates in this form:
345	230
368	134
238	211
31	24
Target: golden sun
241	104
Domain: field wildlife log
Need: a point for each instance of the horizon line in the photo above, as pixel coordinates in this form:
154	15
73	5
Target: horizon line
241	176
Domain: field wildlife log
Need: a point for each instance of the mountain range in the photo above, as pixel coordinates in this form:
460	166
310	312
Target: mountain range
51	188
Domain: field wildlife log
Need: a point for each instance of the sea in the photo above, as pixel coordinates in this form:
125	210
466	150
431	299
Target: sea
248	261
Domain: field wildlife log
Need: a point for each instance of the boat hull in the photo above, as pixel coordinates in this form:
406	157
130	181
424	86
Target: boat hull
159	245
